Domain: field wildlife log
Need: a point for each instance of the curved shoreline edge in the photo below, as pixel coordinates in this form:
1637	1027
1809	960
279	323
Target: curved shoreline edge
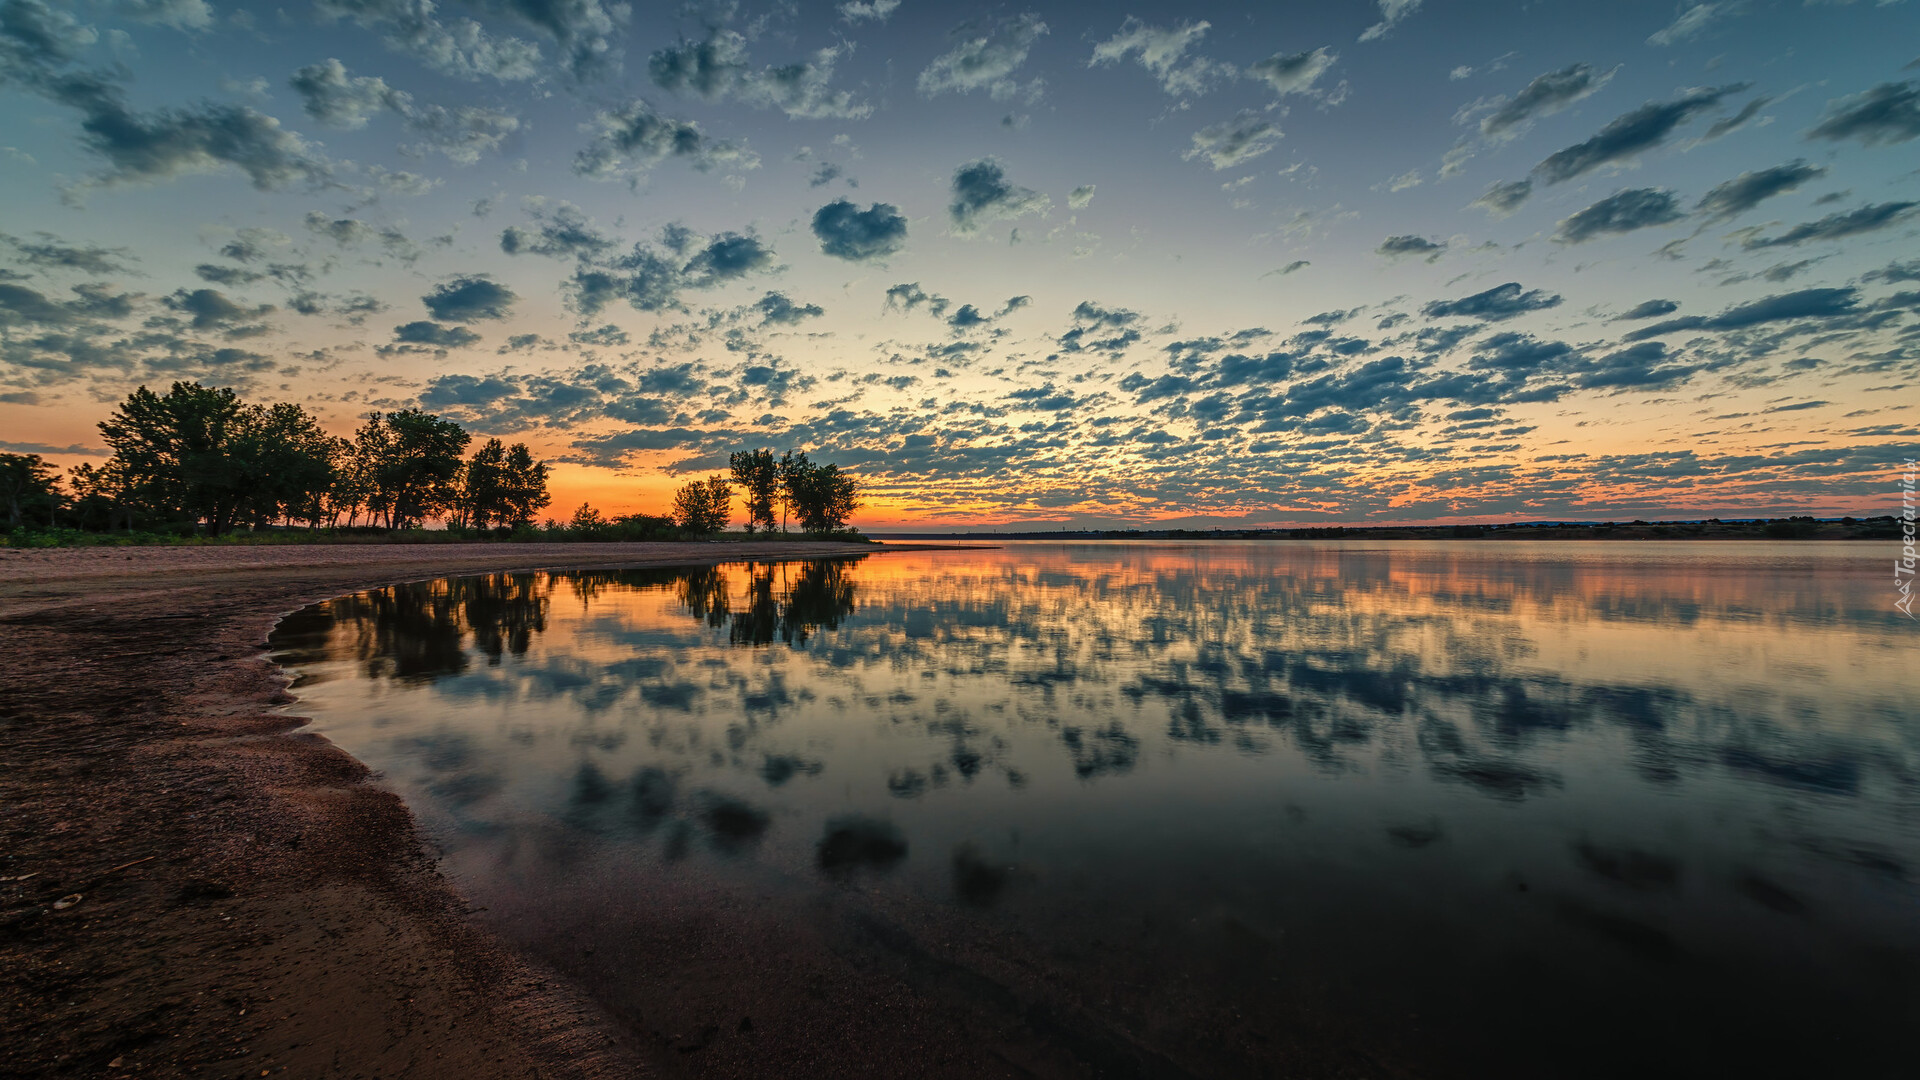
248	901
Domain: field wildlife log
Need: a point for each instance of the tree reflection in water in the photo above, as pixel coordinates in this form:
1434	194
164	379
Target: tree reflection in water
420	631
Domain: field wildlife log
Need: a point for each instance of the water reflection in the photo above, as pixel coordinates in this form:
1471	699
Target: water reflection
1657	786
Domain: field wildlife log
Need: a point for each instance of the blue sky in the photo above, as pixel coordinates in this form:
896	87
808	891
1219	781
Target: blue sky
1369	261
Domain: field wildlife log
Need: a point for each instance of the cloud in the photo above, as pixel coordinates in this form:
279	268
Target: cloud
348	232
1101	329
1297	264
727	257
49	252
1391	13
342	231
847	232
1395	247
1651	309
1079	197
826	173
1162	50
1621	212
1545	95
179	14
1502	199
1499	302
984	62
585	30
1896	271
652	276
1690	22
1836	226
34	39
1645	366
909	295
462	133
36	44
1727	125
633	138
778	308
1293	73
332	97
1631	133
968	317
854	11
563	233
1888	113
20	306
1746	191
461	49
465	299
981	194
1233	142
251	244
1804	304
1097	315
435	335
337	99
209	309
225	275
717	68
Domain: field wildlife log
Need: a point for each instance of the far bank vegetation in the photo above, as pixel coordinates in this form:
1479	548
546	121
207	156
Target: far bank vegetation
198	464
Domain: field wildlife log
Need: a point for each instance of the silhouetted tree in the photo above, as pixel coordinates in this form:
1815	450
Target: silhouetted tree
29	488
98	502
821	496
482	485
413	462
758	475
202	454
524	490
284	462
705	506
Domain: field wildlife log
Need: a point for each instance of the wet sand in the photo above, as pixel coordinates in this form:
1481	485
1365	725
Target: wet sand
191	886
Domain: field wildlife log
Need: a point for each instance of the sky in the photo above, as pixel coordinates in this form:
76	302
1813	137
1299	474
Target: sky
1048	265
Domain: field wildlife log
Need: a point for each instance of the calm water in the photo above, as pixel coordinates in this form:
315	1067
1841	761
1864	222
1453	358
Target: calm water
1222	809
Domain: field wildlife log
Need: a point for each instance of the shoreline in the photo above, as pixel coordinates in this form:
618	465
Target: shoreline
249	903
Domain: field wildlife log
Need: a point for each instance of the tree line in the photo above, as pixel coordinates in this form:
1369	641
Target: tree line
199	458
818	498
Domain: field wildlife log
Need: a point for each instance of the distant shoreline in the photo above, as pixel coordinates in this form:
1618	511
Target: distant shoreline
1886	527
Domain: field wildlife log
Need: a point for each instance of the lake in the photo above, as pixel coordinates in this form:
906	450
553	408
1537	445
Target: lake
1221	809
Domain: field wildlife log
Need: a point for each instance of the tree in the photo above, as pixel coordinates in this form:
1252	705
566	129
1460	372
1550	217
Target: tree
414	461
705	506
177	452
483	486
586	519
503	486
353	487
524	489
822	496
98	499
790	471
284	463
758	475
29	488
201	454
